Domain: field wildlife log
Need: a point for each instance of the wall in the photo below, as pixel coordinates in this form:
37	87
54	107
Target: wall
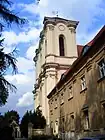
90	98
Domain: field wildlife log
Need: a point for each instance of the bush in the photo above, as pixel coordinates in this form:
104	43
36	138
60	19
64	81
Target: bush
44	137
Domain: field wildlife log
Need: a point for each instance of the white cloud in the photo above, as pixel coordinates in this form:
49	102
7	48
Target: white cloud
88	37
31	51
23	82
88	14
25	100
24	64
19	79
11	38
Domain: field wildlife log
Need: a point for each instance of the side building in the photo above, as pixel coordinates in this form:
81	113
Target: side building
56	52
77	102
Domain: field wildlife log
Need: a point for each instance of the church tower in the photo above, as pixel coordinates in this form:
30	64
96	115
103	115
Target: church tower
56	52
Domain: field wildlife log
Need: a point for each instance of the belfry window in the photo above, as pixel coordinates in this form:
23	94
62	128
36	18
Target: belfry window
61	45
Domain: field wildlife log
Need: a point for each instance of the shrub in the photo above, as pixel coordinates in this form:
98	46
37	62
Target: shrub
44	137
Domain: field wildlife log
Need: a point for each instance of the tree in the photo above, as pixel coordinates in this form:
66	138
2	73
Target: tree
24	124
6	129
36	118
6	61
12	115
7	17
40	121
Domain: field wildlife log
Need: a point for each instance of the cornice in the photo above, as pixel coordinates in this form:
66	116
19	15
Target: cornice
60	56
55	65
55	20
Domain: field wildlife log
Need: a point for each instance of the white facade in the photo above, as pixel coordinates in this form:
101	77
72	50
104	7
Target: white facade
50	65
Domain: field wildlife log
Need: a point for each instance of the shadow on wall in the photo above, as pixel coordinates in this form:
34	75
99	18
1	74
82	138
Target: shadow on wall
91	119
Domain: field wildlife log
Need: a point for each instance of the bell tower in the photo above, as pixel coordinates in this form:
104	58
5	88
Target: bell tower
56	52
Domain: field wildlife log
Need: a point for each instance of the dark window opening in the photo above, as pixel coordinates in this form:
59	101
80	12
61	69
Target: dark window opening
103	105
86	119
72	122
63	120
61	45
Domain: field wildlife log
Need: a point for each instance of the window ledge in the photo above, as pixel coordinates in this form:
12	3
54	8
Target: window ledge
62	103
83	90
101	79
96	130
72	130
55	107
70	98
86	129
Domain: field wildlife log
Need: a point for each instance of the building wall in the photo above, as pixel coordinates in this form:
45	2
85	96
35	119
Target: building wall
91	99
50	65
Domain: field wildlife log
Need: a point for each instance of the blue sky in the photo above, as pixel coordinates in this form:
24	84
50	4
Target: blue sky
90	15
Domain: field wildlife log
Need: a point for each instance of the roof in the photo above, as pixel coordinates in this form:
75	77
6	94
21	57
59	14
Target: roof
67	74
96	37
54	20
79	49
91	43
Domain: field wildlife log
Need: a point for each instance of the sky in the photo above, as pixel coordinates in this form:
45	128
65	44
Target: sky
89	13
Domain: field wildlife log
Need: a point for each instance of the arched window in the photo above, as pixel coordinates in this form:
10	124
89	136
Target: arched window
61	45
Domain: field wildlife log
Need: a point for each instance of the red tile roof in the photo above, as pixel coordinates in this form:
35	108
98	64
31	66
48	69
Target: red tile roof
79	49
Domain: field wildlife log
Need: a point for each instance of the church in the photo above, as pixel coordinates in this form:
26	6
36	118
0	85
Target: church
56	53
70	79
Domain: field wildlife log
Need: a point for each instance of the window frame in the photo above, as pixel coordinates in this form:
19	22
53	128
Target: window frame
56	104
73	121
62	99
83	82
51	112
70	93
61	45
101	74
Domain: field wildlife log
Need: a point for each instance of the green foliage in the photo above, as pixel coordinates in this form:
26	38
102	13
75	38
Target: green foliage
7	17
5	121
36	118
12	115
24	124
6	61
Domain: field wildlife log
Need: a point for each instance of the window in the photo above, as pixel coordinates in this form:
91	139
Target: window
62	98
70	94
102	68
103	108
103	104
61	45
55	103
63	120
51	126
51	112
56	126
83	83
63	124
72	122
86	119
